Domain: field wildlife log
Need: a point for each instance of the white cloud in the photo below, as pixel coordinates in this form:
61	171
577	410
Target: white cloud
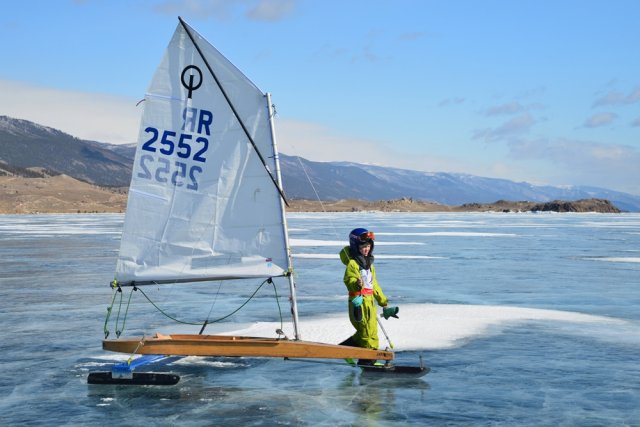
451	101
411	35
271	10
318	142
509	108
584	162
92	116
202	9
601	119
222	10
617	98
515	126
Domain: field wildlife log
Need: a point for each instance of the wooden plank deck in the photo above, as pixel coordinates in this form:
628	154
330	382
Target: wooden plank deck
236	346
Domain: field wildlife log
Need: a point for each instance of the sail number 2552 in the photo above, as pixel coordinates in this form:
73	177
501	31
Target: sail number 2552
184	146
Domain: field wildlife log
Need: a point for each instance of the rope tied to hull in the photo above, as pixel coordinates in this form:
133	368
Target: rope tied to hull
117	291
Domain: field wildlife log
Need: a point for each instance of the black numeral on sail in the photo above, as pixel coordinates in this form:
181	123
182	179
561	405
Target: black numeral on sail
168	143
199	156
184	149
154	137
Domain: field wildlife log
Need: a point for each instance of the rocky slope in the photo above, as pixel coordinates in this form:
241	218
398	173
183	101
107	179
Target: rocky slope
57	194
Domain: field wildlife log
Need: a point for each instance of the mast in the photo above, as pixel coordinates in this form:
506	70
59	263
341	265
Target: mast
292	285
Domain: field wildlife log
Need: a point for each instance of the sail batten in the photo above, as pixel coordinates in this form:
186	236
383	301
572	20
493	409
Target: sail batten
203	204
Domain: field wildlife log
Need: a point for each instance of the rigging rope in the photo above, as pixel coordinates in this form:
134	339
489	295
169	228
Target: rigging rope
215	299
313	187
118	290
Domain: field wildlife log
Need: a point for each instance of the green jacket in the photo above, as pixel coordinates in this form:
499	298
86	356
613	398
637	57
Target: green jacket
352	273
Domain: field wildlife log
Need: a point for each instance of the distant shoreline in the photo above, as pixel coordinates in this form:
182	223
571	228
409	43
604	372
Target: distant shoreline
63	194
410	205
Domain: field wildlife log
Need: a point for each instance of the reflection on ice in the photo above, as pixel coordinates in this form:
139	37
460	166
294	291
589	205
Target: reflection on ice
209	362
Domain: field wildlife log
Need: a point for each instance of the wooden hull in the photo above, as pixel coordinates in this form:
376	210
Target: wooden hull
235	346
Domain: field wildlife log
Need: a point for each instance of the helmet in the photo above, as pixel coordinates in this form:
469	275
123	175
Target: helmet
360	236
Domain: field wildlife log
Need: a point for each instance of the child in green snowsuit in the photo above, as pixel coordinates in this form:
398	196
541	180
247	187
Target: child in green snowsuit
360	280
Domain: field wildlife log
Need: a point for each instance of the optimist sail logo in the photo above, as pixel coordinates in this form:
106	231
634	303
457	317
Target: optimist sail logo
192	83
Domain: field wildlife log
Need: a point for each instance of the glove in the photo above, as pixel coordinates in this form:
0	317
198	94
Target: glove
357	308
390	312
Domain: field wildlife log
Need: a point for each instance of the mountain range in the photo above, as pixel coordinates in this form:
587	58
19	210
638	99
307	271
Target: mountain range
30	149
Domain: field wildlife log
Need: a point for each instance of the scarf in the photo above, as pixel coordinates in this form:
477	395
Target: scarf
363	262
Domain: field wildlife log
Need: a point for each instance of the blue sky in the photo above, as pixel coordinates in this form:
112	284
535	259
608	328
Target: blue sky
541	91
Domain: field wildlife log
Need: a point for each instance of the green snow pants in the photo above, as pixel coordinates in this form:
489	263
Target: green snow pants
366	335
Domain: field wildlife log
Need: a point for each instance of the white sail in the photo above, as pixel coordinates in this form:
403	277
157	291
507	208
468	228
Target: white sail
202	205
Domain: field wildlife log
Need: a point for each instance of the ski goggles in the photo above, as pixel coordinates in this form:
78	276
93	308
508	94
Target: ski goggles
367	237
